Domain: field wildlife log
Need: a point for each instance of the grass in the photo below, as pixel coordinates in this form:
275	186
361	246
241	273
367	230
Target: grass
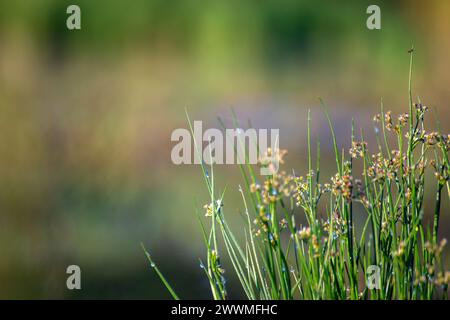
328	258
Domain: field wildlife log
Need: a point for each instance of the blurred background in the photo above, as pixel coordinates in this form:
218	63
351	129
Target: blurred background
86	118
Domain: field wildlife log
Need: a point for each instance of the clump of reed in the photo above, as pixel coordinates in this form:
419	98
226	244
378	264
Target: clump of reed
326	258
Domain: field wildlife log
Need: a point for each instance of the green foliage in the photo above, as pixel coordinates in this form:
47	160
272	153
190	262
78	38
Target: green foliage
326	258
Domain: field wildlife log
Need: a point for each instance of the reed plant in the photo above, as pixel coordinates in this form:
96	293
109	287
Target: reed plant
329	256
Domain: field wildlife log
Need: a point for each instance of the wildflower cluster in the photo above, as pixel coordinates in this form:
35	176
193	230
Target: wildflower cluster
272	158
381	168
358	149
275	188
390	123
336	226
212	208
342	186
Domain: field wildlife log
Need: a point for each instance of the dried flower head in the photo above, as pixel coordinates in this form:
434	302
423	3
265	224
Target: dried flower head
304	233
358	149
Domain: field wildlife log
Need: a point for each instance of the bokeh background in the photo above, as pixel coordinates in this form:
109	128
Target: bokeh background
86	118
